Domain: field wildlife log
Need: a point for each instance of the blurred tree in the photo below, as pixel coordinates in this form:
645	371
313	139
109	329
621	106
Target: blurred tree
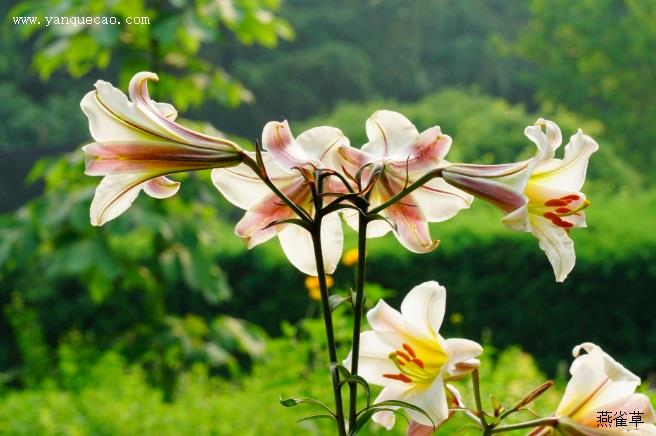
172	40
148	284
596	57
356	50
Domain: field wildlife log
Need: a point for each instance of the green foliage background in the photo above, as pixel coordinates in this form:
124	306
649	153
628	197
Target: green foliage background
162	323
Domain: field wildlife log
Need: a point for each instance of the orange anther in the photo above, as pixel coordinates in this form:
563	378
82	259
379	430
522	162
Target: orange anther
571	197
401	377
418	362
565	224
557	202
409	349
405	356
563	210
550	216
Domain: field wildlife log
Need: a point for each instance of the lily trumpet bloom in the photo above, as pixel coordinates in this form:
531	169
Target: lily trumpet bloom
600	399
406	155
287	161
137	143
540	195
406	354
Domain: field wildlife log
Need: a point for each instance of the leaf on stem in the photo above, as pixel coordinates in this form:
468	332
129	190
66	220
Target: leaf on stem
292	402
335	300
313	417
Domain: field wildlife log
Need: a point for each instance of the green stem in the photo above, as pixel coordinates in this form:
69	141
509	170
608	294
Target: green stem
328	322
358	308
325	304
407	190
550	421
476	382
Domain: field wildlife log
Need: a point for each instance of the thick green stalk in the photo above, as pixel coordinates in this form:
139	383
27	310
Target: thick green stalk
328	322
476	382
358	309
550	421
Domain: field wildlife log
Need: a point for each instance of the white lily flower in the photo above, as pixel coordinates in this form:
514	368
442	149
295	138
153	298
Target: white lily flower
540	195
137	143
406	355
283	160
406	155
600	393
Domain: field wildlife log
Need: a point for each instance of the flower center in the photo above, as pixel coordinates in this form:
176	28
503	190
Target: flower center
557	208
412	369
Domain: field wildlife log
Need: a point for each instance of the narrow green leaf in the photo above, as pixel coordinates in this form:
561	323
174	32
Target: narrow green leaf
292	402
320	416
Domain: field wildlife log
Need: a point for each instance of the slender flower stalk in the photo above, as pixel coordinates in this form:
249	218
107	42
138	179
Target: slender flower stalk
358	309
476	384
327	313
541	422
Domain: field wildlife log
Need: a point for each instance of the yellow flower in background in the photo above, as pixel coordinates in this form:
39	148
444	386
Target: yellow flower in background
312	285
456	318
350	258
314	294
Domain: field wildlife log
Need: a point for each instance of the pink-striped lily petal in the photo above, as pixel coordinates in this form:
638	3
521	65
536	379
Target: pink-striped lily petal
388	132
411	226
320	146
114	195
165	127
129	157
496	192
161	187
243	188
423	154
112	117
138	142
416	429
255	227
278	140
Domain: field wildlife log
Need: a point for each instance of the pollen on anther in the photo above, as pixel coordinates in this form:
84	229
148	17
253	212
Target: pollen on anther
571	197
418	362
563	210
557	202
409	349
405	356
401	377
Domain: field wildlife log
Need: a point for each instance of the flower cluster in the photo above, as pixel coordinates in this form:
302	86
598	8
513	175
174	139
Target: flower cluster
301	188
403	174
